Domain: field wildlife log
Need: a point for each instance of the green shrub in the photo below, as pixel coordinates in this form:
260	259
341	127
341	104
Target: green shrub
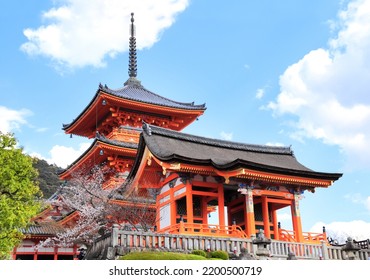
160	256
220	255
199	253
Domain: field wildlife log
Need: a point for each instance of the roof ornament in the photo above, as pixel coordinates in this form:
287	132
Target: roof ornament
132	66
147	128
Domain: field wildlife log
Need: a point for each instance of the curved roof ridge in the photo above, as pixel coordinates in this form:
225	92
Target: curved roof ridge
217	142
124	92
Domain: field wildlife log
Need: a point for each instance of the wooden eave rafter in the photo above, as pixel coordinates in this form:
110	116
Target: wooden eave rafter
134	204
68	218
93	154
86	122
91	118
43	213
38	236
165	116
242	173
116	149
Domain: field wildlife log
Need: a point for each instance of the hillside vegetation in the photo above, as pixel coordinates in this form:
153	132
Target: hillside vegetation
48	177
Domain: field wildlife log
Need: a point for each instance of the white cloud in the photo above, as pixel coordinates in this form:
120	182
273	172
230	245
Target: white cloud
63	156
11	120
260	93
367	203
226	135
275	144
78	33
284	217
358	198
41	129
340	231
328	89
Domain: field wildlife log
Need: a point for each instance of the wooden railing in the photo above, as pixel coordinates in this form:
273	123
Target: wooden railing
309	237
205	230
133	240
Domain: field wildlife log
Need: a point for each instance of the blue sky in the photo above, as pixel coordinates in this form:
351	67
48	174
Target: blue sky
270	72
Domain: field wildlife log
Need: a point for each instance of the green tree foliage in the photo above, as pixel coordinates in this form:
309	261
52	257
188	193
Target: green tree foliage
48	179
19	193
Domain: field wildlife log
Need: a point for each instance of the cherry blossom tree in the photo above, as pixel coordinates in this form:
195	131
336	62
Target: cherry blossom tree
96	208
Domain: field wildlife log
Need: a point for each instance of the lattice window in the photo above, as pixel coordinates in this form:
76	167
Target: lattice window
238	217
258	216
197	206
258	212
181	206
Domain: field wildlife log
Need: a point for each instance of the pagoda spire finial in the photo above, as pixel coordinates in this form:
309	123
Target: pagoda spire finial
132	66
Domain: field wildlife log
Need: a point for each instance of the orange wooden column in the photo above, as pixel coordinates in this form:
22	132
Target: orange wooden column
229	219
275	223
55	253
157	213
204	210
221	206
250	224
189	206
265	215
173	210
296	218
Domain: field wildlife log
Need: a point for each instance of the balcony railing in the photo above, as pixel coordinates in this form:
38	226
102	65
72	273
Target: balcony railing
205	230
308	237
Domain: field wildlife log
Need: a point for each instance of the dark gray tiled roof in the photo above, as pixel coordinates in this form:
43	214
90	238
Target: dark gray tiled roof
173	146
217	142
135	92
48	228
139	93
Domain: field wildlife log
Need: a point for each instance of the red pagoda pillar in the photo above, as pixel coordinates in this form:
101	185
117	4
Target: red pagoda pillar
250	225
296	219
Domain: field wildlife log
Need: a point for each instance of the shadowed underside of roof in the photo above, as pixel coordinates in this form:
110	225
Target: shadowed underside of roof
104	140
141	95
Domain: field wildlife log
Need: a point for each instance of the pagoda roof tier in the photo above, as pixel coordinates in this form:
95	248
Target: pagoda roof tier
102	150
137	92
130	106
176	151
43	229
